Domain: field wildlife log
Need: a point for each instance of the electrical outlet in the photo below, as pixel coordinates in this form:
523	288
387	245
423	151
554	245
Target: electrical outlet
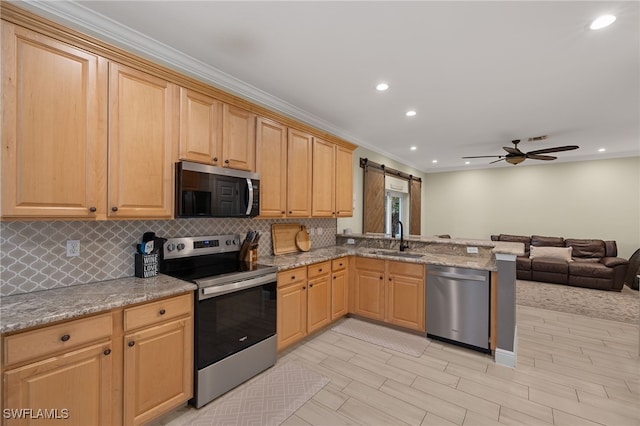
319	231
311	231
472	250
73	248
351	241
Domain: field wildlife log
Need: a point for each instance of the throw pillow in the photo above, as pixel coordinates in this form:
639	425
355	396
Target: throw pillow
562	253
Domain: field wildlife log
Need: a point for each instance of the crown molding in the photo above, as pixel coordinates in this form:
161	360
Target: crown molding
85	20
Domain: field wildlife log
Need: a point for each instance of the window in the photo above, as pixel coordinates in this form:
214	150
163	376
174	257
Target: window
395	211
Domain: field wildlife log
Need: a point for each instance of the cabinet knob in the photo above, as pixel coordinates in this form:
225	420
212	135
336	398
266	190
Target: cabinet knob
92	209
282	212
131	343
65	338
381	277
226	161
114	209
162	312
320	270
389	278
334	277
215	159
293	277
107	351
290	212
304	288
310	285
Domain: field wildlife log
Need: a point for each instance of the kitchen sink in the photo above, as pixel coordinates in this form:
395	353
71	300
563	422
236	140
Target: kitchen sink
398	254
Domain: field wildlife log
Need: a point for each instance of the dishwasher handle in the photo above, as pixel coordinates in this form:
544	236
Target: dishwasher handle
455	276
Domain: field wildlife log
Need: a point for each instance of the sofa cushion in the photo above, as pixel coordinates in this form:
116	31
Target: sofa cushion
611	249
546	264
537	240
516	239
586	248
523	263
611	262
561	253
593	270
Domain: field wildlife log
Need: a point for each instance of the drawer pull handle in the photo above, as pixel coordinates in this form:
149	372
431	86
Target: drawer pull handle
65	338
162	312
107	351
131	343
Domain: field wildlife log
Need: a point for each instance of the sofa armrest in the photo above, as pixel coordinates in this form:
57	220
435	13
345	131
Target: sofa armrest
610	262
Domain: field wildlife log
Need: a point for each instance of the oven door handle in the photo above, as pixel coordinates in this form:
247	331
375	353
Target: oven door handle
219	290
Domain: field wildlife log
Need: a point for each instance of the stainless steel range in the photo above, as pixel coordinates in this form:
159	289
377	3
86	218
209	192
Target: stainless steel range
235	311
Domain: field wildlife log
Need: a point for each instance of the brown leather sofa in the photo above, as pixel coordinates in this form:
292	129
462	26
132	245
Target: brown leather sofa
577	262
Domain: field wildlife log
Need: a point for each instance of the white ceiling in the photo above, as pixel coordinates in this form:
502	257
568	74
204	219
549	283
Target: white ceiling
479	74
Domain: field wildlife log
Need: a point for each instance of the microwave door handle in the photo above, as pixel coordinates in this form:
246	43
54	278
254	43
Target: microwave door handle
250	193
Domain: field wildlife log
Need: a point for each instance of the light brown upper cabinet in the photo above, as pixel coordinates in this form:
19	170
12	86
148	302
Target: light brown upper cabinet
332	180
142	130
200	128
299	173
271	164
324	177
53	128
238	138
344	182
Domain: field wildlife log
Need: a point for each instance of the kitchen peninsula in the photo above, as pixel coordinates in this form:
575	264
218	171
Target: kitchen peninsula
496	257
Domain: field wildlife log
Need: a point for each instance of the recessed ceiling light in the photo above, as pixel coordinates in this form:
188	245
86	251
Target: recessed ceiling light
382	87
434	161
467	162
602	150
413	148
410	113
602	21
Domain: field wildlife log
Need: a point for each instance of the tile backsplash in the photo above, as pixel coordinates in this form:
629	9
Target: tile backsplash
33	254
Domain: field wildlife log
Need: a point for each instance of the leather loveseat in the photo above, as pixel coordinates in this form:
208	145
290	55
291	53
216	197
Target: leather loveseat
571	261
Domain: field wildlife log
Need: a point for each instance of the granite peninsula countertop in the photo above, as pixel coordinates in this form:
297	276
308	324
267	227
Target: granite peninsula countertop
43	307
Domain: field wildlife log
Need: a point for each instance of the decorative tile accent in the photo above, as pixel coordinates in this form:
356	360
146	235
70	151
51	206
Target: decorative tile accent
33	254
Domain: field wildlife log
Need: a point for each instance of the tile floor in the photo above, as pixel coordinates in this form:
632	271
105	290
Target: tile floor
572	370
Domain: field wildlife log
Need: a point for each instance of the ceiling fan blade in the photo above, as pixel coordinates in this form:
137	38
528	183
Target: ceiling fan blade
511	150
541	157
485	156
556	149
496	161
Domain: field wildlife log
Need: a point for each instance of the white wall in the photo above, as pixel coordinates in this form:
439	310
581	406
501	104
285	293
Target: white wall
588	199
355	222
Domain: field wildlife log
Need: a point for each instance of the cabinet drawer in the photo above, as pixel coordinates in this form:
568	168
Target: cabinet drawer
405	268
370	264
318	269
339	264
155	312
48	340
292	276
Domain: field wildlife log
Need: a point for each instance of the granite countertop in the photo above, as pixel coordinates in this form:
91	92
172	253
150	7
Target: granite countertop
42	307
294	260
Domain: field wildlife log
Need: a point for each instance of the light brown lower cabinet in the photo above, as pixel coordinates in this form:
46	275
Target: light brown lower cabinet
309	299
126	366
390	291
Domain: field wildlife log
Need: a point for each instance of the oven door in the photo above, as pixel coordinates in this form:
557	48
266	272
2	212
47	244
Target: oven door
232	317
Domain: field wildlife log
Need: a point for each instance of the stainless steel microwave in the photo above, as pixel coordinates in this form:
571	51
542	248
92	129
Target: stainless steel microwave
209	191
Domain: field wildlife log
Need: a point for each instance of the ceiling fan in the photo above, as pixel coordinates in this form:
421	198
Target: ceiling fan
515	156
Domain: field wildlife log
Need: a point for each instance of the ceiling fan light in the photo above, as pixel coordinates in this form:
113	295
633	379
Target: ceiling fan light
602	21
515	160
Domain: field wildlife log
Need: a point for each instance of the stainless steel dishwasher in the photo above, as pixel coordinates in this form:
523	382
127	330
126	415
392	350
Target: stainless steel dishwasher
458	306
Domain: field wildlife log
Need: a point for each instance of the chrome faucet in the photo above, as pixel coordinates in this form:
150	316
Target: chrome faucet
403	245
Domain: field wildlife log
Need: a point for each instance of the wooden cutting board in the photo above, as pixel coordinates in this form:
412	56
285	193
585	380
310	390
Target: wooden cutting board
283	236
302	239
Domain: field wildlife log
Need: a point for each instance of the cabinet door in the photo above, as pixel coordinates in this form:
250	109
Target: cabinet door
369	289
339	292
344	182
319	303
299	173
323	186
53	128
406	294
292	314
142	122
76	384
200	128
238	138
271	163
158	370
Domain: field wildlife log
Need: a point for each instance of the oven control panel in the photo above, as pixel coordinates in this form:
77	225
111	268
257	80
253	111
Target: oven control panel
195	246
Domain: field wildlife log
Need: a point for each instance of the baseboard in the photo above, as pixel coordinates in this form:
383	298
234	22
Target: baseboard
508	358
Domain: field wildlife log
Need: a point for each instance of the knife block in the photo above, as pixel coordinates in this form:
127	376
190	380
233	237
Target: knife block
251	256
